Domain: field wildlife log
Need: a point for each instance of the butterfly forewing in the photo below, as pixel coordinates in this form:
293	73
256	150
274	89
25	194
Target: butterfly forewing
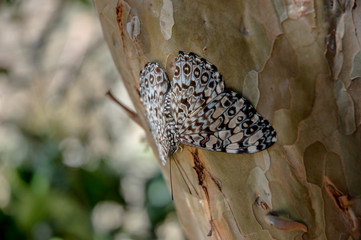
195	83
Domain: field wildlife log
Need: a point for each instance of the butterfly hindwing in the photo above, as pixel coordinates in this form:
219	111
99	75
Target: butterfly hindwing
229	123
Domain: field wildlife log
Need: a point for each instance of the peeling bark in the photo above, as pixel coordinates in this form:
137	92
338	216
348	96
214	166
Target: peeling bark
299	63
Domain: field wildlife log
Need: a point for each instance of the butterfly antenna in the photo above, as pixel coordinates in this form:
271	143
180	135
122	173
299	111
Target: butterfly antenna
176	163
170	176
129	112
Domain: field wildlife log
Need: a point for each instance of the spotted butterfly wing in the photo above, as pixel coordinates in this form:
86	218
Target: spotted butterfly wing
154	85
194	109
209	117
195	83
229	123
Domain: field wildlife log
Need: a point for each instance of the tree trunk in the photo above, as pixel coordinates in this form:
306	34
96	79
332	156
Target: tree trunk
299	63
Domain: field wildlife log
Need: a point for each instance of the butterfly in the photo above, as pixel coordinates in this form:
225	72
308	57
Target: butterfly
195	109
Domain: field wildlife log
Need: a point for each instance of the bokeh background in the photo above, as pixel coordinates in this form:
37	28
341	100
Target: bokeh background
72	164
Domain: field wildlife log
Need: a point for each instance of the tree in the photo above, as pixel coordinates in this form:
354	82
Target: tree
299	63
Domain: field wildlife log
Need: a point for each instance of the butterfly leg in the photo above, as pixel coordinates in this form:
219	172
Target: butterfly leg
184	176
180	148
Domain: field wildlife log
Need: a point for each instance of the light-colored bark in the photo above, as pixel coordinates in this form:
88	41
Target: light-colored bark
299	62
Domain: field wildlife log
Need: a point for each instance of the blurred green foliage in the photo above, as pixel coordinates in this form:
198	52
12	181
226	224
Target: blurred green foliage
49	199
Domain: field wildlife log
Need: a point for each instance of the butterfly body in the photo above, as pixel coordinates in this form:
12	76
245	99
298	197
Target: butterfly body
195	109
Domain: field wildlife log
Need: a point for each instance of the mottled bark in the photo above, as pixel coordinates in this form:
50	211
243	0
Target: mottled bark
299	62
